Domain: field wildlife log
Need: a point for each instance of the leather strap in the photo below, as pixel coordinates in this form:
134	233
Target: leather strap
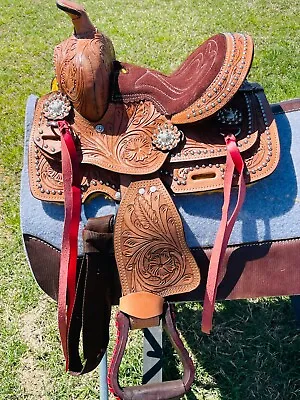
67	275
92	308
152	305
233	161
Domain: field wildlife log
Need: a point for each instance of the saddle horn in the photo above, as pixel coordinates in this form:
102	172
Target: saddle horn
78	15
84	63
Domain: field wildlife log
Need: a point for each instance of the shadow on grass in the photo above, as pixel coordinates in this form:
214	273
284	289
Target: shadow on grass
252	353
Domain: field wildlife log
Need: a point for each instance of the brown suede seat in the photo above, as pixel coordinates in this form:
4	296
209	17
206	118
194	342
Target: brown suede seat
209	76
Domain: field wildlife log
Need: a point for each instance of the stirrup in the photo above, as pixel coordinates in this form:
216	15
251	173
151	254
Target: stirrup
152	391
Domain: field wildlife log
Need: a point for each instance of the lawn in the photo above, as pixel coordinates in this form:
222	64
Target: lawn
253	353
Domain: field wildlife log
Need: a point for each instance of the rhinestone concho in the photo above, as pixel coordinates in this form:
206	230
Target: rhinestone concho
57	106
167	137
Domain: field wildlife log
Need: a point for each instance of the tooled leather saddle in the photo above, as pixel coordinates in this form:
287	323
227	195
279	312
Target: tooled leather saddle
140	137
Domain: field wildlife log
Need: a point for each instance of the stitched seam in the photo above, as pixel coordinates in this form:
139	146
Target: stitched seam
267	242
43	242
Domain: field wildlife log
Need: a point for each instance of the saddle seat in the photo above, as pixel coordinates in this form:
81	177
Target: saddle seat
204	82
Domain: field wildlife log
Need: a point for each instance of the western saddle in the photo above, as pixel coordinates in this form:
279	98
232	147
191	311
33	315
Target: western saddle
141	137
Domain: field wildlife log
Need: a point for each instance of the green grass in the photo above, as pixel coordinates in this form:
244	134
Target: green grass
253	352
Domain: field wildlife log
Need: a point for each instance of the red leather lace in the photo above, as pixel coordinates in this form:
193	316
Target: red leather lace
68	262
234	161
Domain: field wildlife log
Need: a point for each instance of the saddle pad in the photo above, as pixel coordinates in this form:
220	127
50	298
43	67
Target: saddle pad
270	206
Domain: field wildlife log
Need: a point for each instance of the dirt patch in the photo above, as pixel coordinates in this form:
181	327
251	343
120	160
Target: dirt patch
33	325
35	381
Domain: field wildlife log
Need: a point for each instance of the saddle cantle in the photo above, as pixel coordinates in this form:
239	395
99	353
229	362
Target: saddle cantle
139	137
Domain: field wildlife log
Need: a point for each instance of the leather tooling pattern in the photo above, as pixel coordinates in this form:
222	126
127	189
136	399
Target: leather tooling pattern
151	247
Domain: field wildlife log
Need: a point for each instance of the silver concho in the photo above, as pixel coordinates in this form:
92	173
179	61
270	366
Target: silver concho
99	128
229	116
167	136
57	106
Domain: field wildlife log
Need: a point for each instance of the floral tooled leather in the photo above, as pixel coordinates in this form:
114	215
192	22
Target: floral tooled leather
83	66
150	247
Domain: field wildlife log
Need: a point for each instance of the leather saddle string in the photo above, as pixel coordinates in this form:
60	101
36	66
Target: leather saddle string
233	161
68	262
